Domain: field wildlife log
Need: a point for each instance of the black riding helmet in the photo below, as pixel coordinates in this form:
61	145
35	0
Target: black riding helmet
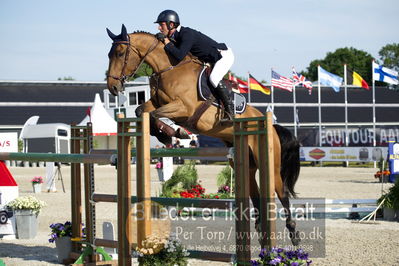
168	16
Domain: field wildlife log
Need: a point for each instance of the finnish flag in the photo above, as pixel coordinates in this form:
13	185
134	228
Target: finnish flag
384	74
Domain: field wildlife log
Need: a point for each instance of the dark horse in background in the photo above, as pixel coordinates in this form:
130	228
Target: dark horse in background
174	95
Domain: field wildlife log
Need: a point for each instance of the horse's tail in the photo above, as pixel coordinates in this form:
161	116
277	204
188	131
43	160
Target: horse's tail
290	161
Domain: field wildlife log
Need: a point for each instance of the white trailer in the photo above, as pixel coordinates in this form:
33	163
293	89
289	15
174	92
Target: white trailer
52	137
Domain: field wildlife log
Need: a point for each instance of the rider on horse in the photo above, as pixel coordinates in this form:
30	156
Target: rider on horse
179	41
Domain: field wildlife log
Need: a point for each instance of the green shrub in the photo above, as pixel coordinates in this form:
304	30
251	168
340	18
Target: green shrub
391	197
223	178
183	178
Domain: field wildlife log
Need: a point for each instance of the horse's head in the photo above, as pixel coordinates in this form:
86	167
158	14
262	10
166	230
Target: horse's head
127	53
119	55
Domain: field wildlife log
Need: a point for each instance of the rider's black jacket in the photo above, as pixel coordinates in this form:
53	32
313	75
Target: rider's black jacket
198	44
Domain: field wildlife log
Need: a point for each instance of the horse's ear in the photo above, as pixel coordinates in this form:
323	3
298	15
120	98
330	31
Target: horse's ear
111	35
124	33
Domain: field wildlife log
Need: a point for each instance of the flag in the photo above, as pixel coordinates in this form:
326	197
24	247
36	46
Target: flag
328	79
301	80
88	112
281	82
354	78
256	85
241	86
384	74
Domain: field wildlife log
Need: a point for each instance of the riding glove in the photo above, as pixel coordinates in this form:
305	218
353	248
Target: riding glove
160	36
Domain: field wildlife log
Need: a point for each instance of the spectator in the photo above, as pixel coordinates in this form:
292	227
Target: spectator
177	160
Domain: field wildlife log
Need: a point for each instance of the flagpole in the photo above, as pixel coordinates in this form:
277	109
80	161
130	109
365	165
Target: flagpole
249	89
272	93
319	102
295	113
374	120
346	109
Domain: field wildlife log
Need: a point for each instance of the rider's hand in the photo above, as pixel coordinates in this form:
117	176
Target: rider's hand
160	36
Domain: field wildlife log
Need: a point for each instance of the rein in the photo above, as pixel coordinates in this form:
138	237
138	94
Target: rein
122	77
172	67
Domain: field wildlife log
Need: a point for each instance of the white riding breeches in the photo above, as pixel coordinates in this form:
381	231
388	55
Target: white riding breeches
222	66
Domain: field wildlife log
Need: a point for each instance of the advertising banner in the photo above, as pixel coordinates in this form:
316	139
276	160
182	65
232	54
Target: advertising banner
356	136
393	160
9	142
355	154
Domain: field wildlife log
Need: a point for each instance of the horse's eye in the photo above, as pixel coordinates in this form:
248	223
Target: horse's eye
120	54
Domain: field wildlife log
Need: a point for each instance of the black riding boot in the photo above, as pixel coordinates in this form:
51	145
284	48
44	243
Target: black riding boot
223	94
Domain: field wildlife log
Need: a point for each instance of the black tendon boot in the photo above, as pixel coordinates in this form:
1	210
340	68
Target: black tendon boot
223	94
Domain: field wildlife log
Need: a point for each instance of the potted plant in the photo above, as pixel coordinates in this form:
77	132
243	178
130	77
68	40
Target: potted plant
159	167
26	210
37	182
162	250
61	234
390	202
282	256
383	176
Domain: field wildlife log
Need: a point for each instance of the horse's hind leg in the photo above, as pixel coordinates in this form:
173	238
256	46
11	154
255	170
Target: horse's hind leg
289	223
281	191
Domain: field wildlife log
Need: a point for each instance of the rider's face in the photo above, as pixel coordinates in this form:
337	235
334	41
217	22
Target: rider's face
163	28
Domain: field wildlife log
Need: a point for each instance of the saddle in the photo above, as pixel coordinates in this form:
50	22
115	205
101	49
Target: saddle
207	92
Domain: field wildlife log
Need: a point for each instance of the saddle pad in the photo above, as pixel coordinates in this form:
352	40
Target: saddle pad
205	90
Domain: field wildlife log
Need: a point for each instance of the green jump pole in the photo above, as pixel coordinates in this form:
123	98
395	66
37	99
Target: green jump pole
180	152
56	157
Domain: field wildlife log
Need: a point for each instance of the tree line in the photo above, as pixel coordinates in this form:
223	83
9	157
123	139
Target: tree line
355	59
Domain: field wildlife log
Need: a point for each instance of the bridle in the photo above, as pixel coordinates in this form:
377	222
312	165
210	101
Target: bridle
123	77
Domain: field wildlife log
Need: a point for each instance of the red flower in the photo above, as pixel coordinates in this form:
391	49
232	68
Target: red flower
386	172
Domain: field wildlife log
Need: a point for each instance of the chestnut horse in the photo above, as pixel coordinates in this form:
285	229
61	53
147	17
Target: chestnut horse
174	95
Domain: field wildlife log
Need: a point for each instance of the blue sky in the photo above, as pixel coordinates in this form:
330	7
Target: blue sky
47	39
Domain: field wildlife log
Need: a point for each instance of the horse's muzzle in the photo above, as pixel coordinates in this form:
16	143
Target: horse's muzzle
113	90
114	86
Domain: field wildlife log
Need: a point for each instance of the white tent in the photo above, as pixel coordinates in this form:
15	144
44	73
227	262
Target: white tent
103	123
104	126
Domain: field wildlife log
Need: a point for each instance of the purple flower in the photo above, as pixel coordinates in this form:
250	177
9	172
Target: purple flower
275	261
290	254
283	256
254	263
60	230
262	253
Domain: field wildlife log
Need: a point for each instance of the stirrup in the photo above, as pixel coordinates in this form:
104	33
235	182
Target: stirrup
227	117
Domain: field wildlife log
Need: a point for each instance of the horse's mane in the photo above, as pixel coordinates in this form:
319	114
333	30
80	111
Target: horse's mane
149	33
141	31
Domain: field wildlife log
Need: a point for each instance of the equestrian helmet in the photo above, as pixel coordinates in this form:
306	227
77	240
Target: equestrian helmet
168	16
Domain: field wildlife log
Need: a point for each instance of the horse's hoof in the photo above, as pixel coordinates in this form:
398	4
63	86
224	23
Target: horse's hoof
296	239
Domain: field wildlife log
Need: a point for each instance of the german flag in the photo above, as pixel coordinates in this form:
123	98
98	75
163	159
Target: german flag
355	79
256	85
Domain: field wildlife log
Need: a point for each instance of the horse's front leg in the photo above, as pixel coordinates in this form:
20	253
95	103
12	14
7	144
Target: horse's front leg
159	129
175	111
